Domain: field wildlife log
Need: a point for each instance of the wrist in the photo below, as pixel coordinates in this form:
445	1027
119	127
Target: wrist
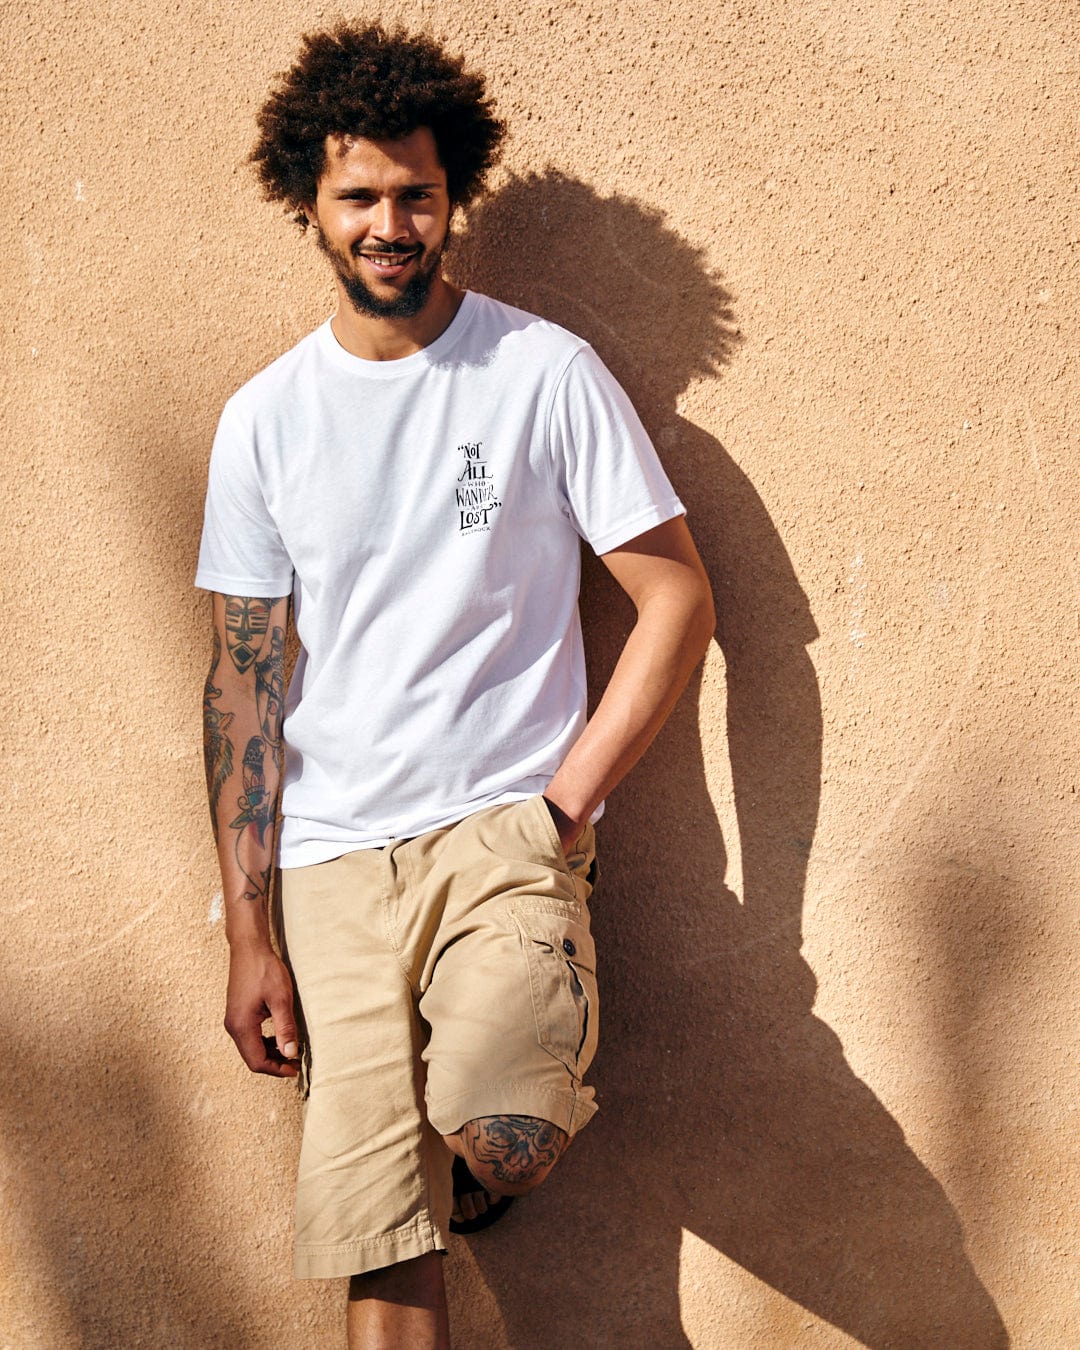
566	804
248	932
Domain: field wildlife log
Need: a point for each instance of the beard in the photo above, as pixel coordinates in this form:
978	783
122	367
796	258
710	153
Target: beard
407	303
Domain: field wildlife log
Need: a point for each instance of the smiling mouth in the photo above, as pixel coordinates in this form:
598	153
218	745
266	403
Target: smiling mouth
389	260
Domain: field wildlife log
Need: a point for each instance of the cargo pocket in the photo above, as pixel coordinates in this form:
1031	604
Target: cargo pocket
561	960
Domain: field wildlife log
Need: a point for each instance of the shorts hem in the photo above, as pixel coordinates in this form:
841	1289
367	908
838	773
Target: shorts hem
333	1260
570	1110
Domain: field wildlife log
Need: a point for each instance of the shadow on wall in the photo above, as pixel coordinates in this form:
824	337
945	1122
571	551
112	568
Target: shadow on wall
728	1108
113	1205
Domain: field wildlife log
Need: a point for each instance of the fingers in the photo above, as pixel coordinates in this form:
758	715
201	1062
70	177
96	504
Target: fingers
279	1065
260	1053
285	1037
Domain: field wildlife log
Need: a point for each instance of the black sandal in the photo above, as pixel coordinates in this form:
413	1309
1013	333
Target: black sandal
464	1183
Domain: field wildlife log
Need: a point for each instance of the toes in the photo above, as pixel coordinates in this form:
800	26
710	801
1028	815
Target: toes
472	1204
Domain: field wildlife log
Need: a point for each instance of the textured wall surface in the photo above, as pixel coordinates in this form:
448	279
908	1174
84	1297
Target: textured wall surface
830	248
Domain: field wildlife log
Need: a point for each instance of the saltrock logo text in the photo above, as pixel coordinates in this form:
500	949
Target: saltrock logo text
475	491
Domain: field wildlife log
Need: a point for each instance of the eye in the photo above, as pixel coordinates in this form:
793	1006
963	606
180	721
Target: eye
417	195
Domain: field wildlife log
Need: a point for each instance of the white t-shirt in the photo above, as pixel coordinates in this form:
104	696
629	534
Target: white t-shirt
426	515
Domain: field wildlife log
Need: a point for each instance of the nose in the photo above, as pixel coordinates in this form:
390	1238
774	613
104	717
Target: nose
389	223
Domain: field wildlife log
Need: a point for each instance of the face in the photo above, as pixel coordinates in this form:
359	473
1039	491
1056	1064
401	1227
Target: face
382	213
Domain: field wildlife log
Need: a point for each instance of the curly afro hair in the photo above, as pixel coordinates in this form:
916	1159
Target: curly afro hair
380	85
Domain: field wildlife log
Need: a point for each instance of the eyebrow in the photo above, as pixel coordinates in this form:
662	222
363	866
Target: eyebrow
406	187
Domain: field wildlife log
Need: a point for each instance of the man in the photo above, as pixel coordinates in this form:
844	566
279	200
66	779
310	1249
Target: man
416	476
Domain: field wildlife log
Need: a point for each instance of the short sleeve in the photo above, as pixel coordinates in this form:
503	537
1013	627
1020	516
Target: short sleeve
608	478
241	551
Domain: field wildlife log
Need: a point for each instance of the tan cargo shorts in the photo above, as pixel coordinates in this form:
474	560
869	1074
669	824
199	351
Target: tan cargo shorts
439	979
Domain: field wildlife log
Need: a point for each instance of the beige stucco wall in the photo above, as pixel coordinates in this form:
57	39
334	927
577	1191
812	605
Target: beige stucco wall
831	250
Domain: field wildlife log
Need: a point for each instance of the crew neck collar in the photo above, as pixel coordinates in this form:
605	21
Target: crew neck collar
403	365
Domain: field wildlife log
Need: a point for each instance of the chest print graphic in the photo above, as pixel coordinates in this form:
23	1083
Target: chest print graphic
475	490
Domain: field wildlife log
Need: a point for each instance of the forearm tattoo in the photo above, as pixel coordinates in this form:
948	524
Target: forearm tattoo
217	747
247	620
256	811
516	1148
270	693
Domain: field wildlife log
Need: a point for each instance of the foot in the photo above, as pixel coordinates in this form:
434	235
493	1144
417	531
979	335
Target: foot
474	1207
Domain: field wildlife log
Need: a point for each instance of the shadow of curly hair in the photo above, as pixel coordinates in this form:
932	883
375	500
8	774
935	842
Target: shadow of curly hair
381	85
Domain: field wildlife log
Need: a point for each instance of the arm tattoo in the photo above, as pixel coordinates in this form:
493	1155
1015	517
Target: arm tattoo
515	1147
270	693
217	748
256	812
246	621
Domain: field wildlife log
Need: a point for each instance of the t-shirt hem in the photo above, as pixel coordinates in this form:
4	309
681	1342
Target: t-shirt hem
260	588
630	529
307	852
310	852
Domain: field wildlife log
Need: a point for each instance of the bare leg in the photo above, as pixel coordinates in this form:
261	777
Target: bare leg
509	1155
401	1307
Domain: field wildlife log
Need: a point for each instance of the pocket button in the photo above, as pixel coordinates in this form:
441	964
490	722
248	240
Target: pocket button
569	948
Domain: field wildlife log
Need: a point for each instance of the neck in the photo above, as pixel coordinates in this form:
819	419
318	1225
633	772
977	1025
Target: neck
377	339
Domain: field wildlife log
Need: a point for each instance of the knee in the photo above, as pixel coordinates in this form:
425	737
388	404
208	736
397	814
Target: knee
510	1155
